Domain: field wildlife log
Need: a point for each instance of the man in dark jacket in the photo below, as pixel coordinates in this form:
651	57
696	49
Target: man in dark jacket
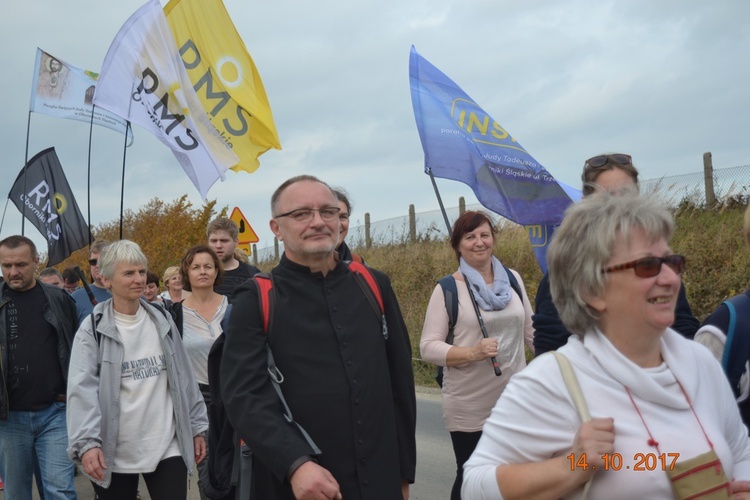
347	384
222	235
611	173
37	325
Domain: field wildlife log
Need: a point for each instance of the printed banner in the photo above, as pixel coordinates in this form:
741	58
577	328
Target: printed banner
42	193
463	143
225	78
144	80
65	91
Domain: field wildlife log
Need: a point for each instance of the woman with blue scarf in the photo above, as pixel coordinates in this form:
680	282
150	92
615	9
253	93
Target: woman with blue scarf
470	384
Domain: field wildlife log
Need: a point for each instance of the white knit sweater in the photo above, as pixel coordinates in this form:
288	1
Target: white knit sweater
535	419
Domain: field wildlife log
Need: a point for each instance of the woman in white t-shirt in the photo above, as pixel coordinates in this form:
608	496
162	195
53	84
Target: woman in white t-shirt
134	407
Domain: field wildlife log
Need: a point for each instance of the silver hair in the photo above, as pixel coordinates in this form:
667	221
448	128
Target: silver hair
584	243
120	252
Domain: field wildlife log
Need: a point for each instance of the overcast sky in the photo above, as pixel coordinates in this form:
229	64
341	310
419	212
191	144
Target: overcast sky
662	80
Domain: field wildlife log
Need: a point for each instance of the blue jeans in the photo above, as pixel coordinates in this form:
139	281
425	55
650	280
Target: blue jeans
43	432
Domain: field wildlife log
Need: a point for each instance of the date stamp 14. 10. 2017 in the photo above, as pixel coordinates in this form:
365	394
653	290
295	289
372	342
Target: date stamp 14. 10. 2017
614	461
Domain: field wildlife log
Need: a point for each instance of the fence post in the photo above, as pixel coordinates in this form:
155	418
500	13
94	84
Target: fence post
276	247
461	205
255	255
412	224
708	179
368	240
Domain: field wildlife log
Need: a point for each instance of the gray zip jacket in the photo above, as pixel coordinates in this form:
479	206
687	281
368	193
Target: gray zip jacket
94	388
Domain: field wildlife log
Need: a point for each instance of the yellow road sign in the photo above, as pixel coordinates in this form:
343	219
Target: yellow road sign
245	247
247	234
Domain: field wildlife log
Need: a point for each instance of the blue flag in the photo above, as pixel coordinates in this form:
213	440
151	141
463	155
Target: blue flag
463	143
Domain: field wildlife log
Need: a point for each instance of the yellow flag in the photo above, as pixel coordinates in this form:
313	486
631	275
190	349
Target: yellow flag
224	77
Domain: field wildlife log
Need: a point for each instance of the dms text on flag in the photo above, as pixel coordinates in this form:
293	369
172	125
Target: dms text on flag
155	100
42	193
44	206
224	77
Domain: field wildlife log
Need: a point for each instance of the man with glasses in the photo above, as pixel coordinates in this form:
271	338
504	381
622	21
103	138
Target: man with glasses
348	383
87	297
610	173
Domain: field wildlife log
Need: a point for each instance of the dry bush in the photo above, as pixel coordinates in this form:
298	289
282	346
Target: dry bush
163	230
718	261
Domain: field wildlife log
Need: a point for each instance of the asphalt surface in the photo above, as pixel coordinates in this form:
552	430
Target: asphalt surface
435	461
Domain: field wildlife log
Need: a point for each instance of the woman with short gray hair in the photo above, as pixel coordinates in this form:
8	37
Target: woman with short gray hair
133	403
657	420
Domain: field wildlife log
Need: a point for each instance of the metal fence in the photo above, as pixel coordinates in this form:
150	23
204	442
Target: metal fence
728	183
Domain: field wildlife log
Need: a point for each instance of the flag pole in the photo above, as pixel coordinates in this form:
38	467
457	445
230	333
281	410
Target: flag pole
122	188
2	221
440	201
88	180
25	161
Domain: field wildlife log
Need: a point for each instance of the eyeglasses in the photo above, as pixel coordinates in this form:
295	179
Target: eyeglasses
93	262
601	160
648	267
306	214
343	216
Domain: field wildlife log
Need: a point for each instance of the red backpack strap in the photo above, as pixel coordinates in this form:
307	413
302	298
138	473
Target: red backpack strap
264	282
371	289
360	269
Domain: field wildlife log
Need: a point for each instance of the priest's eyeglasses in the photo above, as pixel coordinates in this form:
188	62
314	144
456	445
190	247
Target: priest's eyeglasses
306	214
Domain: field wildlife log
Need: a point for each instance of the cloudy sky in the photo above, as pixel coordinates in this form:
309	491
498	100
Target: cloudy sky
662	80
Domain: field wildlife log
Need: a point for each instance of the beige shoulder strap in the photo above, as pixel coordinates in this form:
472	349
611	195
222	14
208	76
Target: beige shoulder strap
571	382
574	388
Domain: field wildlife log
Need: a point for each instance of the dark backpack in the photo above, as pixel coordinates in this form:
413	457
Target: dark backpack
450	295
230	461
737	347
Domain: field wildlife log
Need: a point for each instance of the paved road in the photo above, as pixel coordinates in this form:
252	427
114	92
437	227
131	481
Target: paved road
435	461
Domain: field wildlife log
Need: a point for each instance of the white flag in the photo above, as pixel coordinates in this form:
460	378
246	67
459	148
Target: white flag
143	80
66	91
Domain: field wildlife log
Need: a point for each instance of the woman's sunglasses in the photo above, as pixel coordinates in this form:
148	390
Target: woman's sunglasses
601	160
648	267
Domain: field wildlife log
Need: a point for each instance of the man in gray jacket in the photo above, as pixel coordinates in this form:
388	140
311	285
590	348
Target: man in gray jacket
35	357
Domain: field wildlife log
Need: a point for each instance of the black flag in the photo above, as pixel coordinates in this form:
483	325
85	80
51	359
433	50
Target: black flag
50	205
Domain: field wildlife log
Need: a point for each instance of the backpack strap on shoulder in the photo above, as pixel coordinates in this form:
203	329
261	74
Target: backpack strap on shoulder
264	282
450	295
266	298
514	284
576	394
168	315
98	337
371	289
737	345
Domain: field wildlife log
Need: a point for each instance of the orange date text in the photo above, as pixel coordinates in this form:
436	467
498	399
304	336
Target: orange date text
614	461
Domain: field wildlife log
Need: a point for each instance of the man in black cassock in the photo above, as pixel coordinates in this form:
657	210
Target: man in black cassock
349	386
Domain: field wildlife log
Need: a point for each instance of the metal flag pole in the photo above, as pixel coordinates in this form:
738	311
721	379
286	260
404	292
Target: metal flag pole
88	180
440	201
2	221
122	188
25	161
